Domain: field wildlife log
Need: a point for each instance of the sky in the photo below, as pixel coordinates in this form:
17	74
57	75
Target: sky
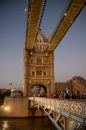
69	55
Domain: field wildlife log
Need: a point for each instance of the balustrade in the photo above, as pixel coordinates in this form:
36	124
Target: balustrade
73	109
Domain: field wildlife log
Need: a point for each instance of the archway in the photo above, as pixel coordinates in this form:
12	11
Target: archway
38	90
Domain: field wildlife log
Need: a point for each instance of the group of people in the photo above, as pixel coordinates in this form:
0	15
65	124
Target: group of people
70	95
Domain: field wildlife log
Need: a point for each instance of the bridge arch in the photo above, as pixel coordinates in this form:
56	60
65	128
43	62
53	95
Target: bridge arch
38	89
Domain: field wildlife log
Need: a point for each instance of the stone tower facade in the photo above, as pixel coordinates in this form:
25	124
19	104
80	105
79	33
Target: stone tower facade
38	68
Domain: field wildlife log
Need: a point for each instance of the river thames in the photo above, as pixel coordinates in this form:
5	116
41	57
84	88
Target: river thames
41	123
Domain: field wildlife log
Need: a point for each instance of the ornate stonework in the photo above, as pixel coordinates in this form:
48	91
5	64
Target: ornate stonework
38	67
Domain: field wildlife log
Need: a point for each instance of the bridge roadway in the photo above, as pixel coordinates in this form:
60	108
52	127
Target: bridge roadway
64	114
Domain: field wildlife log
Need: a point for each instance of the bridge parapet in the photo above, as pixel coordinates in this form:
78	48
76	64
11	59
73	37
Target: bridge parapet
73	109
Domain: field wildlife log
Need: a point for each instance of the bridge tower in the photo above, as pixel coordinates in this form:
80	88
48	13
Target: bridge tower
38	67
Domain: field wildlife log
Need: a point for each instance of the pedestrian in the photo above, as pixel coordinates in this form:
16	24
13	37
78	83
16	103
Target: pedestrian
74	96
61	96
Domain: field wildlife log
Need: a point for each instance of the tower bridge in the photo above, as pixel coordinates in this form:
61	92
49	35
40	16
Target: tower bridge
39	70
39	50
39	64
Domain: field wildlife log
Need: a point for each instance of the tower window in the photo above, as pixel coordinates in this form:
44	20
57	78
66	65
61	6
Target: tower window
40	47
39	72
33	73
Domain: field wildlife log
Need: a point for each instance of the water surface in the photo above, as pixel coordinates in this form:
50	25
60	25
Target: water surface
42	123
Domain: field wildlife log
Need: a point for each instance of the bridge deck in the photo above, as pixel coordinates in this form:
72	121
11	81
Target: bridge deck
73	109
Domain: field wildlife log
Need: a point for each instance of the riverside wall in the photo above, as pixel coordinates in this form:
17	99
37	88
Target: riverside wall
18	107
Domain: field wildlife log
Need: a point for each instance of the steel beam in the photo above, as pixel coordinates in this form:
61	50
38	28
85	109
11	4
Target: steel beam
70	13
34	17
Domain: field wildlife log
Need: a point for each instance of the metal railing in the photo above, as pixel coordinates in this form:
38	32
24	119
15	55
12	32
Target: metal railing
73	109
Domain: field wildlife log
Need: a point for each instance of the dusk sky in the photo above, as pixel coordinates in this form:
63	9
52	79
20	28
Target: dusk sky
69	56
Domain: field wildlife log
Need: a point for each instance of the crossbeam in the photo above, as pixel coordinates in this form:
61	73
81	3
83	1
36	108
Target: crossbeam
70	13
34	16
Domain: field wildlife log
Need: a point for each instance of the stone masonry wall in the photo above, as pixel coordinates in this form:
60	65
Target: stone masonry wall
14	107
18	107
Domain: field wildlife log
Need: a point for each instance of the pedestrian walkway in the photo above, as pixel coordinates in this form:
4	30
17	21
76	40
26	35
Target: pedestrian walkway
74	110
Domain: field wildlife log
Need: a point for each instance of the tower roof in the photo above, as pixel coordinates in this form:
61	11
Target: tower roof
41	35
